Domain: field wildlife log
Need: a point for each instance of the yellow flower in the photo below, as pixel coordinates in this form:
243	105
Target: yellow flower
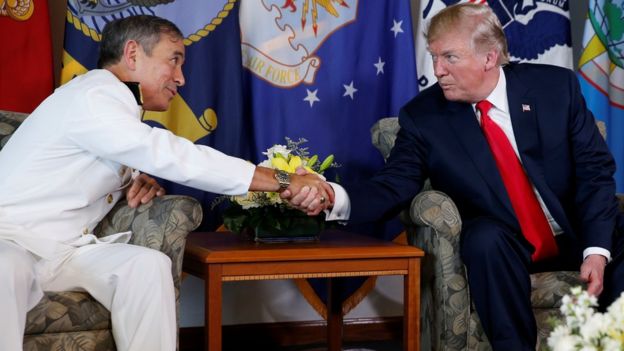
294	163
281	164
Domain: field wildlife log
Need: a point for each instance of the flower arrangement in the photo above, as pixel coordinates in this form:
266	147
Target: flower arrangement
265	213
586	329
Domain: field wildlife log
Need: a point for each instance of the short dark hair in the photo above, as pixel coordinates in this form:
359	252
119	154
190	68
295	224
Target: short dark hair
144	29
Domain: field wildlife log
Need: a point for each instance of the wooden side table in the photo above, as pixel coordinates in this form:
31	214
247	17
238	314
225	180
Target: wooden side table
223	256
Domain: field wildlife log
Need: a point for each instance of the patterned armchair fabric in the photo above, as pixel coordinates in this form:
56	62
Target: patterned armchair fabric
448	318
73	320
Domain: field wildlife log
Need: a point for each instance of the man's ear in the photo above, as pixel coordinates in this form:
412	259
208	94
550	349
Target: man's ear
130	53
491	60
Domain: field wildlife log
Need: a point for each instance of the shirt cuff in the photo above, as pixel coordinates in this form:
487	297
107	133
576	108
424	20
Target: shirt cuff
342	205
594	250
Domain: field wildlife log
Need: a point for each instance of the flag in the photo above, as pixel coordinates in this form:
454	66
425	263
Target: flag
537	31
601	73
26	55
208	108
326	71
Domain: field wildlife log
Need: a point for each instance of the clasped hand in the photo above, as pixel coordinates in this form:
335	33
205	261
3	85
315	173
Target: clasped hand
309	193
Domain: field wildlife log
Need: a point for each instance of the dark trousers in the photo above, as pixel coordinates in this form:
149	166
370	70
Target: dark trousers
498	264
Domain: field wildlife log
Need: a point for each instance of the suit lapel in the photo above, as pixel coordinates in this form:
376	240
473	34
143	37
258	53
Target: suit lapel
523	112
464	124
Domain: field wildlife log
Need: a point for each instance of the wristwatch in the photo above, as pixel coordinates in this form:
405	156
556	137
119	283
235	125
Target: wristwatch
283	178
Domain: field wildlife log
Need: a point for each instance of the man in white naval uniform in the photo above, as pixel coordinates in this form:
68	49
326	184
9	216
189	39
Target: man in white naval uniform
71	161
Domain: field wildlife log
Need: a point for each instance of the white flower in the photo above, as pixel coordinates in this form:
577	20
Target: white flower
566	343
266	163
616	310
611	345
584	328
557	334
595	327
277	149
246	201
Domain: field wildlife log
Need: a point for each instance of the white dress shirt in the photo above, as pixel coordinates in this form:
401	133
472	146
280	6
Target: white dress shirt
499	113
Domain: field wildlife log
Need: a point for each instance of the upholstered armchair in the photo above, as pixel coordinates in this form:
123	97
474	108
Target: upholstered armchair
448	318
73	320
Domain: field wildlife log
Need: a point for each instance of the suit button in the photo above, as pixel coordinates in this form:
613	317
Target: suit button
85	231
122	171
109	198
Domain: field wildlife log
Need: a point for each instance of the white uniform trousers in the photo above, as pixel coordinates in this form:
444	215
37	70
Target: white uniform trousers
132	282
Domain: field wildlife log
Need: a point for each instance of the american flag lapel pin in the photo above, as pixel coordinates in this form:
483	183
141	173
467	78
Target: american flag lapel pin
526	108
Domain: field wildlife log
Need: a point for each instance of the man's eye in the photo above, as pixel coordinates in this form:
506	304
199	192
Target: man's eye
451	58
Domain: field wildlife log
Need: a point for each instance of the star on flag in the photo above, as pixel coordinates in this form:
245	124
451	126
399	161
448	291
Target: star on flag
380	66
311	97
349	90
396	28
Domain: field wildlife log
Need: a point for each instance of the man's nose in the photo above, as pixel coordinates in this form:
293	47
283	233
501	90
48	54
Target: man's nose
179	77
439	69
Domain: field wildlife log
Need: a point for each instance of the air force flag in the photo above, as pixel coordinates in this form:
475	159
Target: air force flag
326	71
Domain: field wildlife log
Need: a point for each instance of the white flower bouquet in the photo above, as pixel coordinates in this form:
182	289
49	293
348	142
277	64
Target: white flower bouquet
584	328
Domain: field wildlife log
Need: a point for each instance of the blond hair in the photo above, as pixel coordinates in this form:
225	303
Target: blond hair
480	20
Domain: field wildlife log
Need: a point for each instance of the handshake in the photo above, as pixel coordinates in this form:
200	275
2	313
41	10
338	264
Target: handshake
308	192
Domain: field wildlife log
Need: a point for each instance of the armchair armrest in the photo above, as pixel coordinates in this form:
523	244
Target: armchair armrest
383	134
435	209
162	224
433	224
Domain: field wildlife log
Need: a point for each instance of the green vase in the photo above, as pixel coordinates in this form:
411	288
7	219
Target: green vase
274	224
292	226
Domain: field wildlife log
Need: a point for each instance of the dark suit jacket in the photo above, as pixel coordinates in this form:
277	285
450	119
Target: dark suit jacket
561	149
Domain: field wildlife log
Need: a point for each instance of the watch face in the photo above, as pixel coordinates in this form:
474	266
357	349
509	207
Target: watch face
283	178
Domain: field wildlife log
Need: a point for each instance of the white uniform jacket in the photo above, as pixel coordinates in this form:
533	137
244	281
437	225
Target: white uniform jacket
67	164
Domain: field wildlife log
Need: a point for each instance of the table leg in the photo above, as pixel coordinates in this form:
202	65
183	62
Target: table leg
411	305
334	316
212	318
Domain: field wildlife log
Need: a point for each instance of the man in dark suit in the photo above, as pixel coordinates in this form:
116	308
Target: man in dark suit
517	150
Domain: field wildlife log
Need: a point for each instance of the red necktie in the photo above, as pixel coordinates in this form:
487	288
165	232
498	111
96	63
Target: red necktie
533	222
